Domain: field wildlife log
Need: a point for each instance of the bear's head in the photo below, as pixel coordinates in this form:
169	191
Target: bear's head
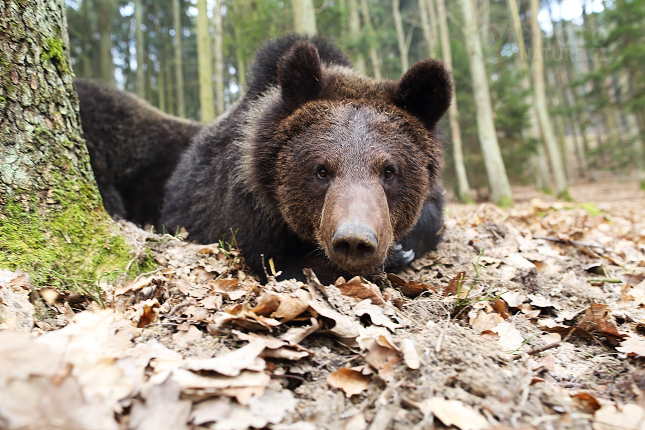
349	161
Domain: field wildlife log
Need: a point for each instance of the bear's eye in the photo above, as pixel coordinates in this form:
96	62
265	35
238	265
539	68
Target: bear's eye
322	172
388	173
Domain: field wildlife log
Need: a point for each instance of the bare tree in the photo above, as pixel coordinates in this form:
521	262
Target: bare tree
304	17
543	175
539	90
355	33
105	9
219	63
495	169
179	62
400	36
455	130
367	24
138	32
205	63
431	41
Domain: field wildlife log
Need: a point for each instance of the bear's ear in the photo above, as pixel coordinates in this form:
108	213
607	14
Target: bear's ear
300	74
425	90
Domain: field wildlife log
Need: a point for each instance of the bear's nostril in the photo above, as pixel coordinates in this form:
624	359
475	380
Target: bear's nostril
354	242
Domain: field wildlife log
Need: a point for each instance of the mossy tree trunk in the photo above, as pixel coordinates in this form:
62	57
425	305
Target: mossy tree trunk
205	63
304	17
52	221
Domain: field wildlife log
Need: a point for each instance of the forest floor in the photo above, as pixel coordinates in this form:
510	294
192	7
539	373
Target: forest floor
532	317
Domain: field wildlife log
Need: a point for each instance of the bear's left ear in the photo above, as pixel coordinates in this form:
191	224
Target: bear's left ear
300	74
425	90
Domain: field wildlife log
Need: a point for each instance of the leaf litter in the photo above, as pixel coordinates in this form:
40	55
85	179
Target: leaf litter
532	317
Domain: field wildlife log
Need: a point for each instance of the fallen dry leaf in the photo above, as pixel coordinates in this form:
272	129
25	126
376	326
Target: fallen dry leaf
408	288
348	380
355	289
16	311
211	410
410	354
233	363
290	307
457	283
633	347
510	338
485	321
625	417
454	412
162	409
375	313
598	318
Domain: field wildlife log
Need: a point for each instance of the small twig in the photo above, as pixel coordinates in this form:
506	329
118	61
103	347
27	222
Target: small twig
127	268
611	281
541	349
572	242
179	306
146	274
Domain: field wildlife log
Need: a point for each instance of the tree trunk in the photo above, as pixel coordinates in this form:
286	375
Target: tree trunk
179	63
219	62
205	63
634	134
455	130
540	103
495	169
431	42
543	179
161	77
355	33
138	20
376	60
105	9
52	222
304	17
241	69
400	36
430	7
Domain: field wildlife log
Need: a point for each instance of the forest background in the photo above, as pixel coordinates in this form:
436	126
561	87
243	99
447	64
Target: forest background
549	98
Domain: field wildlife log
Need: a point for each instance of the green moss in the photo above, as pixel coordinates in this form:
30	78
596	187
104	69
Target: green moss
505	202
75	245
591	208
564	195
643	185
547	191
53	51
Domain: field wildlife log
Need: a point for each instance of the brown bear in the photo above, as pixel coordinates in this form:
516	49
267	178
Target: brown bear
318	166
133	147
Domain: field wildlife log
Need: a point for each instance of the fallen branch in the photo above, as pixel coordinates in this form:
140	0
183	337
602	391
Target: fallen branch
571	242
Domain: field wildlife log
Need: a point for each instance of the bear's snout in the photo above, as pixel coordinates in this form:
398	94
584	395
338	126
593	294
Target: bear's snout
355	242
355	227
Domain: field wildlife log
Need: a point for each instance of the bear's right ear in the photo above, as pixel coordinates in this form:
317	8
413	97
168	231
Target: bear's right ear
300	74
425	90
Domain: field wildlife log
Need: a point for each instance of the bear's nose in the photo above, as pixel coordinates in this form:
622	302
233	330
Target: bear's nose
354	242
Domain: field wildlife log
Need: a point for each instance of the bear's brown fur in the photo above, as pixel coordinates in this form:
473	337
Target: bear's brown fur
318	166
133	147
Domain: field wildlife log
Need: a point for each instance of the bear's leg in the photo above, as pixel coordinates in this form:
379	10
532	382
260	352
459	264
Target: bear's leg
424	236
112	201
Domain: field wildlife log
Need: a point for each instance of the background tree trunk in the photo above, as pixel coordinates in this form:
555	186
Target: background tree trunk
495	169
138	20
219	62
179	63
376	60
304	17
205	61
400	36
355	33
52	221
540	103
105	10
455	130
543	175
431	42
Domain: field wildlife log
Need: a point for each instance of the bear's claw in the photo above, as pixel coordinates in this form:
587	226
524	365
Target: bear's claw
399	259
